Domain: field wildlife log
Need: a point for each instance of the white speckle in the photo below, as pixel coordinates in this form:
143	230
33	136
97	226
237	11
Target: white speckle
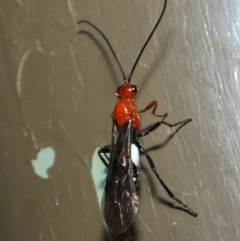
39	47
56	202
175	222
45	159
135	155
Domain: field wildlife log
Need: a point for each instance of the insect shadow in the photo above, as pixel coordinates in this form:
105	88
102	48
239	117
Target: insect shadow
105	55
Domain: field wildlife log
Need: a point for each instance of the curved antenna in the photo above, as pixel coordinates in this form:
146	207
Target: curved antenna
148	39
109	45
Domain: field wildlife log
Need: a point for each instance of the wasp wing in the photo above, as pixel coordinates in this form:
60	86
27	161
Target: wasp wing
120	200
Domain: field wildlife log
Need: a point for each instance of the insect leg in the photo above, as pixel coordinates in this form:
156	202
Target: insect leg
157	124
182	123
153	105
102	153
169	192
125	236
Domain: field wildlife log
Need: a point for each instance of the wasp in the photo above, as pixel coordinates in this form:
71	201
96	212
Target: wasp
120	200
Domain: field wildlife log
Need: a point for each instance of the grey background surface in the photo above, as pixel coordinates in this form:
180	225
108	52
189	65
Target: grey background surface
57	89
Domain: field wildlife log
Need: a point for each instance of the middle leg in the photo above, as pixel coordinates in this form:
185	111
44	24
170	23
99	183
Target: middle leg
157	124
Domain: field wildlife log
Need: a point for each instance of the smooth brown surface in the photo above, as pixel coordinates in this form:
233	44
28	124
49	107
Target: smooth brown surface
57	90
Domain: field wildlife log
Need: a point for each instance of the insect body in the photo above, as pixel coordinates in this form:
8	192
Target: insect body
126	108
120	200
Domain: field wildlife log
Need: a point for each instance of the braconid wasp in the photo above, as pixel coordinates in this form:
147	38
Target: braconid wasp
120	200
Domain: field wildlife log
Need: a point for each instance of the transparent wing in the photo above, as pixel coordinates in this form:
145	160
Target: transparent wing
120	200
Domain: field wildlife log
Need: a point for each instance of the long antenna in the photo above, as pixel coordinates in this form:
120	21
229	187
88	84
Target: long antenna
148	39
108	43
141	51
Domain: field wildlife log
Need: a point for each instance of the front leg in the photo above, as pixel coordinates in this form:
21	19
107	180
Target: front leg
153	105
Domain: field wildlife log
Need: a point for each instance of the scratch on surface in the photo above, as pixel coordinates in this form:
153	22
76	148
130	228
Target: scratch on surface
89	206
75	147
154	210
25	130
50	225
172	237
144	65
40	236
70	8
19	73
80	155
98	10
68	188
76	105
196	193
33	138
198	156
17	215
168	99
50	84
61	22
87	44
188	194
184	99
144	224
84	194
19	2
75	64
65	130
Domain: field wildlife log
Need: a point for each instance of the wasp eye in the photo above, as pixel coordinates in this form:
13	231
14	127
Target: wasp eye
118	89
134	88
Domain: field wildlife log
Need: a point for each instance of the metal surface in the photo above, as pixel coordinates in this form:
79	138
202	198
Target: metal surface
57	91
